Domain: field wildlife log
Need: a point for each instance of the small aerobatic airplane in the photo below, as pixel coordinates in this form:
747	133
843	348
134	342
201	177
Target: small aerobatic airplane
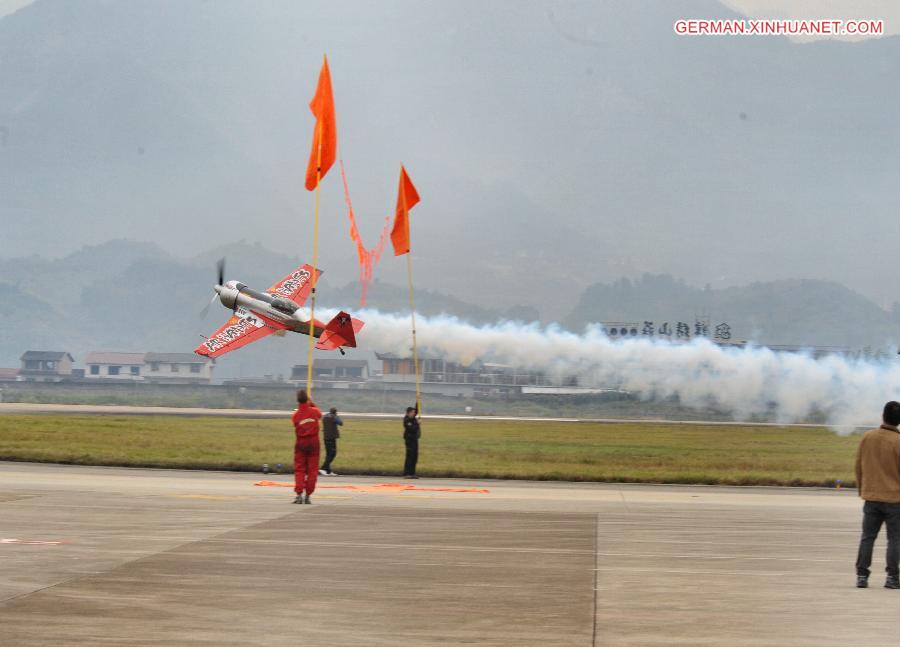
277	310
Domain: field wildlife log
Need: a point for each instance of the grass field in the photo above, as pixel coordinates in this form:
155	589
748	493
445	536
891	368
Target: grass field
654	453
602	405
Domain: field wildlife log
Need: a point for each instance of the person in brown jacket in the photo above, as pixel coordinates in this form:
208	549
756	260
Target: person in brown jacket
878	482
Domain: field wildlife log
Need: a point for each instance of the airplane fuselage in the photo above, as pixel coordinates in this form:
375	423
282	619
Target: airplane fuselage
245	302
279	309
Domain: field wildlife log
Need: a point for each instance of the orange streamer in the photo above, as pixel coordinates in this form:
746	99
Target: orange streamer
368	258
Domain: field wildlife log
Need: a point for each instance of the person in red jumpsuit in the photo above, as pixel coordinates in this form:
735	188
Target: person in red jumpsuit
306	448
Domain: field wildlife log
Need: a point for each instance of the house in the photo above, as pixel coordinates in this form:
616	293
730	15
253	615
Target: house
177	368
438	375
397	368
114	366
9	374
347	370
45	366
434	369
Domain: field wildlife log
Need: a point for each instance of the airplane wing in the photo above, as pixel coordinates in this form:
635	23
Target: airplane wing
236	332
296	286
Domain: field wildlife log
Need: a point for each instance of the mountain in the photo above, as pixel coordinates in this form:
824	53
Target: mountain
130	296
29	322
55	279
554	144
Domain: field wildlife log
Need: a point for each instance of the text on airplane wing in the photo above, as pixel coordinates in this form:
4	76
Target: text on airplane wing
296	286
236	332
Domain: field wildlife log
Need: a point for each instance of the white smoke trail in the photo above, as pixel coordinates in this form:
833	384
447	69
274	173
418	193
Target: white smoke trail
745	381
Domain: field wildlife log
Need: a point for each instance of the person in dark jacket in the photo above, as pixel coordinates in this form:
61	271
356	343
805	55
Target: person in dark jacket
330	433
878	481
411	434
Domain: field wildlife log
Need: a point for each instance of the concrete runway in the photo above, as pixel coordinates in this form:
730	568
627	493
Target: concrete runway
159	557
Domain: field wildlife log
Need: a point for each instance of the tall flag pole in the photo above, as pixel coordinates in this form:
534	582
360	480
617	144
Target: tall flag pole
407	198
412	309
321	158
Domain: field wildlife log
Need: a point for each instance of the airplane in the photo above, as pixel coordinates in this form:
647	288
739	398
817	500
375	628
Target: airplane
277	310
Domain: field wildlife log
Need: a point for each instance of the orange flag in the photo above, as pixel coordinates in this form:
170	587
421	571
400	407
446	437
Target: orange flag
407	198
325	133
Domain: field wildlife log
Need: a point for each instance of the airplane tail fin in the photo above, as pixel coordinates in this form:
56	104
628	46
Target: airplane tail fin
340	331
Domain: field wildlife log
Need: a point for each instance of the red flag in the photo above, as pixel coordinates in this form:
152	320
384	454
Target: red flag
325	132
407	198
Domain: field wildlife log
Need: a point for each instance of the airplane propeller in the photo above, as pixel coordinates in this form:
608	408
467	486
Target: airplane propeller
220	266
205	310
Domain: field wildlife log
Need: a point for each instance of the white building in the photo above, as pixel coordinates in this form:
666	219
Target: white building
345	370
177	368
115	366
162	368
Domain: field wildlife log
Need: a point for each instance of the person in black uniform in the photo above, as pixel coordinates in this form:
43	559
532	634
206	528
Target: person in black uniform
411	434
330	433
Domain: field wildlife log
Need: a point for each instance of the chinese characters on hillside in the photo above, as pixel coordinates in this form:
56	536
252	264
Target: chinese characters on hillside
677	330
721	333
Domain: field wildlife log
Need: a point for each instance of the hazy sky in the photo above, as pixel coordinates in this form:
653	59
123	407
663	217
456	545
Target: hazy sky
555	144
843	9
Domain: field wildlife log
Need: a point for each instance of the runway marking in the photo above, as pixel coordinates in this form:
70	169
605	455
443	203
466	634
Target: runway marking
217	511
416	496
448	547
388	488
31	542
719	557
510	549
338	512
125	410
692	542
209	497
693	571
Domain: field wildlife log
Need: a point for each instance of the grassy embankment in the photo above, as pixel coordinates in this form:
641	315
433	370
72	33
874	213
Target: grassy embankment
528	450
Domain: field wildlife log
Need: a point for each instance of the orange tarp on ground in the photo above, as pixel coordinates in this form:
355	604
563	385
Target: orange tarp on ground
381	487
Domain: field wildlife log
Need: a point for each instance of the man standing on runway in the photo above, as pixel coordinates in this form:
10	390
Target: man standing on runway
306	447
330	434
411	434
878	482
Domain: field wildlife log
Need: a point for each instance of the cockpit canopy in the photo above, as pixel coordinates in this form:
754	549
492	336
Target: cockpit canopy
284	305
